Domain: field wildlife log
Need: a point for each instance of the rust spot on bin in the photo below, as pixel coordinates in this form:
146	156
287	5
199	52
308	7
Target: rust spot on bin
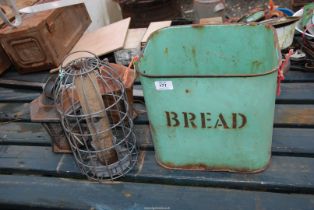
194	58
193	52
203	167
154	34
256	64
198	26
166	51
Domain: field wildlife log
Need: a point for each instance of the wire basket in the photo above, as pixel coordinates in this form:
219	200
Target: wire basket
93	107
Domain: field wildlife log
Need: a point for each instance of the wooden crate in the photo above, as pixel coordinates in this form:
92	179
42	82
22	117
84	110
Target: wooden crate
44	38
4	61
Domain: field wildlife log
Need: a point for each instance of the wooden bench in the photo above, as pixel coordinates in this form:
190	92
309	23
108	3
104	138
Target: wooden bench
32	177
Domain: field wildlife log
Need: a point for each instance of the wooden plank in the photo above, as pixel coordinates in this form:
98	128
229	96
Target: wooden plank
24	134
285	174
293	93
285	115
17	95
28	95
286	141
294	115
293	141
21	84
27	192
134	37
29	159
12	74
34	134
211	21
154	26
14	112
104	40
296	93
299	76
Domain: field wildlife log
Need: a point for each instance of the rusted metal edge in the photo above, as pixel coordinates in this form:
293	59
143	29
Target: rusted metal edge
276	44
207	76
203	167
195	26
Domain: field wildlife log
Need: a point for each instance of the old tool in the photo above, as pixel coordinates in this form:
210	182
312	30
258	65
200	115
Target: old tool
89	95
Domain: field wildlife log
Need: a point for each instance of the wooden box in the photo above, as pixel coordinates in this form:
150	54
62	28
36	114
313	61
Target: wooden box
4	61
44	38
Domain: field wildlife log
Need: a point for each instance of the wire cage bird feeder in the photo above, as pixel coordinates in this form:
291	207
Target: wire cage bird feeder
93	108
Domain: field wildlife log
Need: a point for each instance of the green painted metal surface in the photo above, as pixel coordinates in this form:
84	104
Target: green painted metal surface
210	95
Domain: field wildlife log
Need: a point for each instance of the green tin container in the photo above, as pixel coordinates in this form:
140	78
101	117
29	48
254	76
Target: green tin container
210	96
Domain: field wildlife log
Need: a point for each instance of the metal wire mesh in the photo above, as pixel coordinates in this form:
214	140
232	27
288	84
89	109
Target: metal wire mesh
93	107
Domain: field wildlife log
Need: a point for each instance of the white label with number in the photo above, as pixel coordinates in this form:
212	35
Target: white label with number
163	85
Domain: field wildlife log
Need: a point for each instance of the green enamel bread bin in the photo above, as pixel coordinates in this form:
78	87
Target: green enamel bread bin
210	95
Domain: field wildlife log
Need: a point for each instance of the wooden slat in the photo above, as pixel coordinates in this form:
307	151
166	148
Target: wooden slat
34	134
104	40
134	37
288	174
21	84
293	93
25	192
285	115
286	141
285	174
294	115
21	112
29	159
14	112
293	141
17	95
299	76
12	74
24	134
296	93
154	26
